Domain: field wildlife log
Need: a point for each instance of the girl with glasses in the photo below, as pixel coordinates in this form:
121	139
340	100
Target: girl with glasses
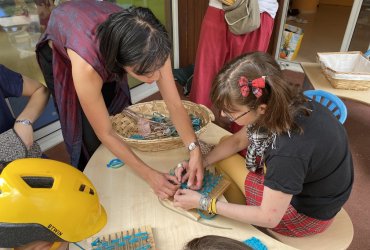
298	170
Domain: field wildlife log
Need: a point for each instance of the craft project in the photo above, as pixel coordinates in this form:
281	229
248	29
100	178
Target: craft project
214	186
133	239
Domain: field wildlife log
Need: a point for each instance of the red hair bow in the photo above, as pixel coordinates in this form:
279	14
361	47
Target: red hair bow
257	85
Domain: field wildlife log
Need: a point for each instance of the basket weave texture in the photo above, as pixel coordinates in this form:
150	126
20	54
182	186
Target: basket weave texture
346	70
126	126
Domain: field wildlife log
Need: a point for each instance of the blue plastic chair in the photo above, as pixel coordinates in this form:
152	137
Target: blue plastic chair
367	54
329	100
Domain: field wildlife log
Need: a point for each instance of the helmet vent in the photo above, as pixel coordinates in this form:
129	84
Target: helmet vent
82	188
38	181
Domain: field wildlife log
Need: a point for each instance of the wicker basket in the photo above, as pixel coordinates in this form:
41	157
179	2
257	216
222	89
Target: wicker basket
126	126
346	70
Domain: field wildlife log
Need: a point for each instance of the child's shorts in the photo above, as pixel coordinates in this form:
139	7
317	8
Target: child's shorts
293	223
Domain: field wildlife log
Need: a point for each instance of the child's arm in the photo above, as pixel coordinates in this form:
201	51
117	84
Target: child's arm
269	214
227	147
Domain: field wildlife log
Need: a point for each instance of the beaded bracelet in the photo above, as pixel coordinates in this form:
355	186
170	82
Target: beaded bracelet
204	202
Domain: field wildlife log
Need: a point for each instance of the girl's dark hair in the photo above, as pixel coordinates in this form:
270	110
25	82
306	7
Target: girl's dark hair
284	101
214	242
133	37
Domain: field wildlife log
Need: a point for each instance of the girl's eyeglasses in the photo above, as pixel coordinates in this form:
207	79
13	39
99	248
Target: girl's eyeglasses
232	119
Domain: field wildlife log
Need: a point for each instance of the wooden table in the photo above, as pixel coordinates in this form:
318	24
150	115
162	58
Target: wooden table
130	202
317	79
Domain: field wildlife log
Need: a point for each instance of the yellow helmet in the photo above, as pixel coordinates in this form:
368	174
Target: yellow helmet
47	200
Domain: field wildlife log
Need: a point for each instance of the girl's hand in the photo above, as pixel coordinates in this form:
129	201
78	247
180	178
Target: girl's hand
163	185
186	199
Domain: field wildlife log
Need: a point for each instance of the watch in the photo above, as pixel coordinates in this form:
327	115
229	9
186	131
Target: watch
25	122
193	145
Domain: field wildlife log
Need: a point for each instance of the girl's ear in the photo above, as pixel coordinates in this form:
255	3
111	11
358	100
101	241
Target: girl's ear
261	109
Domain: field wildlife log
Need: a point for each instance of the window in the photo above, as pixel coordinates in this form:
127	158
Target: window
21	25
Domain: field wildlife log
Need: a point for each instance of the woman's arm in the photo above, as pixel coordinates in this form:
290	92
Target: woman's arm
88	85
268	214
181	120
39	96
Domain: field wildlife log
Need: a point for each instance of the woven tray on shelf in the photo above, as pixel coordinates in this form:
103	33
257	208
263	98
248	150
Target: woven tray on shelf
346	70
126	126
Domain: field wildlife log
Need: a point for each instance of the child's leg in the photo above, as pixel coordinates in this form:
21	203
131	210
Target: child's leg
233	168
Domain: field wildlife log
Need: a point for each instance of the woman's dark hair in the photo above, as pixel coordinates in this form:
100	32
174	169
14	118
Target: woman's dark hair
284	101
214	242
133	37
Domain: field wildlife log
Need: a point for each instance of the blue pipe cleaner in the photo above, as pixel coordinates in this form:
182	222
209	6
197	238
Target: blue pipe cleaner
115	163
137	137
255	244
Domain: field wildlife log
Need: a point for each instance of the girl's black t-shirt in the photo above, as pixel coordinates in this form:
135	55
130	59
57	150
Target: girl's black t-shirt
315	166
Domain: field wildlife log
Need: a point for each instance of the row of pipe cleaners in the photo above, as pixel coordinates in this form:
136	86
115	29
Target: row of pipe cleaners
124	241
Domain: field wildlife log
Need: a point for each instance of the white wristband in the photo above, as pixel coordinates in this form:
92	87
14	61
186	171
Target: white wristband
24	122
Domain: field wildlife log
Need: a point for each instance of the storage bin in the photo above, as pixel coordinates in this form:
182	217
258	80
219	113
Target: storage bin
346	70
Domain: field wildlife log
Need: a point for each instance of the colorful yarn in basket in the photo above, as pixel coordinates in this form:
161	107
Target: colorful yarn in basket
162	135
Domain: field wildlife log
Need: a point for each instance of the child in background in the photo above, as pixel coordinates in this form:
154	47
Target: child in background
299	169
215	242
43	245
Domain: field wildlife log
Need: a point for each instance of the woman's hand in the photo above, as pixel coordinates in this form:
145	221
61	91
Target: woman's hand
187	199
163	185
194	171
180	171
184	172
25	132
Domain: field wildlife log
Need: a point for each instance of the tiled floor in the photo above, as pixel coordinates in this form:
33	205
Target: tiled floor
325	29
322	32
